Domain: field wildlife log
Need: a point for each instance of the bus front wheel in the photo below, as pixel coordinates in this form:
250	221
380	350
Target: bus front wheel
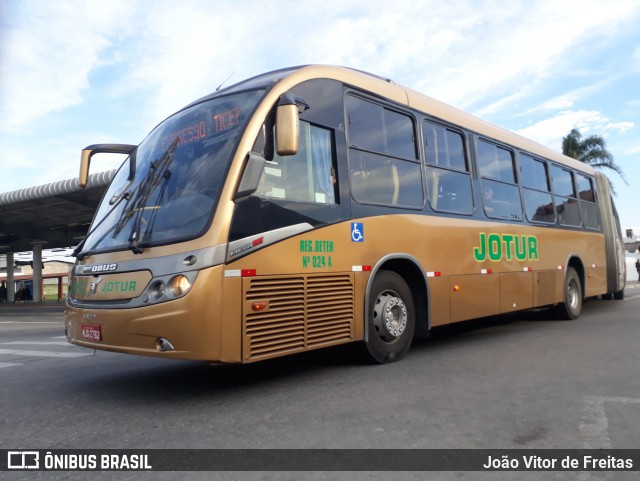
391	318
572	305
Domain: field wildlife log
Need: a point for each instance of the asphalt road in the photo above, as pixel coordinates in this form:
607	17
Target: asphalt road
521	381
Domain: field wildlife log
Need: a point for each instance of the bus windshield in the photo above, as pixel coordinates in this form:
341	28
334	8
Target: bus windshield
179	171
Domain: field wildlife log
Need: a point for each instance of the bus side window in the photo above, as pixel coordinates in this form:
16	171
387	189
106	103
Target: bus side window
538	203
500	192
588	207
376	181
448	178
384	167
565	196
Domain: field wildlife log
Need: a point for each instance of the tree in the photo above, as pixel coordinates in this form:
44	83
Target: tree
591	150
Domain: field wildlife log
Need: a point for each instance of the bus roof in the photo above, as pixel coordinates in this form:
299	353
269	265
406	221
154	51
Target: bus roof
388	89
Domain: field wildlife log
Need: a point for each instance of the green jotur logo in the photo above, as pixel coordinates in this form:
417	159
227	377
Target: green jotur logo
498	247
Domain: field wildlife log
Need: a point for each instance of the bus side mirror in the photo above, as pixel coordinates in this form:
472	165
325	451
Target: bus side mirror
288	123
91	150
251	176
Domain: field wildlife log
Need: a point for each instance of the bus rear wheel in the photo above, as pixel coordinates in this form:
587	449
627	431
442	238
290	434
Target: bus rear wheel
572	305
391	318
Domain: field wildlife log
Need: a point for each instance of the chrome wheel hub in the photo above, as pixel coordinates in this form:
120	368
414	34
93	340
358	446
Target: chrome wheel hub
389	316
572	294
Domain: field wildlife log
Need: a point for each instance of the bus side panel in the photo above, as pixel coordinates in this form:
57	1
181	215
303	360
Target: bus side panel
595	279
544	287
439	303
474	268
231	320
293	313
475	295
361	280
516	291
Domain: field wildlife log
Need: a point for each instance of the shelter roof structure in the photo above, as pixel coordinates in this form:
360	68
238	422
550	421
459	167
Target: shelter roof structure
56	214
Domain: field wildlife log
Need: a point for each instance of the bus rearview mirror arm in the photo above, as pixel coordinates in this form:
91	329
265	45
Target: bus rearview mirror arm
91	150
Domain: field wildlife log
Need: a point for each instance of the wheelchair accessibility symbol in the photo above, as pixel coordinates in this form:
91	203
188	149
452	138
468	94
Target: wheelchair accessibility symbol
357	232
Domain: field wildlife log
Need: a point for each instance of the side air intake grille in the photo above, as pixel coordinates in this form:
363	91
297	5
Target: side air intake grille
302	313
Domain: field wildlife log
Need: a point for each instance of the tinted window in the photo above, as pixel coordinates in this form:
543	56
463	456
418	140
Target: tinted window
539	206
588	207
382	156
538	203
376	179
566	202
500	193
568	211
501	200
533	173
375	128
444	147
449	191
585	188
562	181
448	182
495	162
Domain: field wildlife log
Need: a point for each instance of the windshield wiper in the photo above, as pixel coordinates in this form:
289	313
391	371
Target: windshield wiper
77	251
152	180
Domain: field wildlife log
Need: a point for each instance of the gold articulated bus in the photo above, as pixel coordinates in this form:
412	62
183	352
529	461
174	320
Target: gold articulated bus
316	206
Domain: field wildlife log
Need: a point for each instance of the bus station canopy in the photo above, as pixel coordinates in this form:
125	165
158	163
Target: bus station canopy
56	215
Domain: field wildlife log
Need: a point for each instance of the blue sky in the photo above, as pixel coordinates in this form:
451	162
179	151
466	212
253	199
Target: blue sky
79	72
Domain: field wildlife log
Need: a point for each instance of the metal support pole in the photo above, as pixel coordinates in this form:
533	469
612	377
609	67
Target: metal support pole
11	285
37	272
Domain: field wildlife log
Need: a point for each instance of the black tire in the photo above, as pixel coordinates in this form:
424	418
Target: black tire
572	305
619	296
389	338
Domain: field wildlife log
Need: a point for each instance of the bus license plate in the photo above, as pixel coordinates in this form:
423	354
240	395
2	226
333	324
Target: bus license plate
91	332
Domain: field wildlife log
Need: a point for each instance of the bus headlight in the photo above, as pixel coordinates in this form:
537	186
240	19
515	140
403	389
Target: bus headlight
157	290
167	288
179	285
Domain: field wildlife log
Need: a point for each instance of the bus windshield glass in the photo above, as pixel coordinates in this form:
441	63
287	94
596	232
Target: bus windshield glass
179	171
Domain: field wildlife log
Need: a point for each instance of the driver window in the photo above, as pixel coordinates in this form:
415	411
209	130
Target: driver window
308	176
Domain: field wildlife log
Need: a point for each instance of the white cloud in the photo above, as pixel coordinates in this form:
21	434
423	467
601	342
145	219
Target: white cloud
620	127
49	51
525	47
632	149
486	56
557	104
550	131
462	52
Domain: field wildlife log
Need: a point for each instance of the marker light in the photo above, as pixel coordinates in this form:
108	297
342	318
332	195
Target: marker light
179	285
259	306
